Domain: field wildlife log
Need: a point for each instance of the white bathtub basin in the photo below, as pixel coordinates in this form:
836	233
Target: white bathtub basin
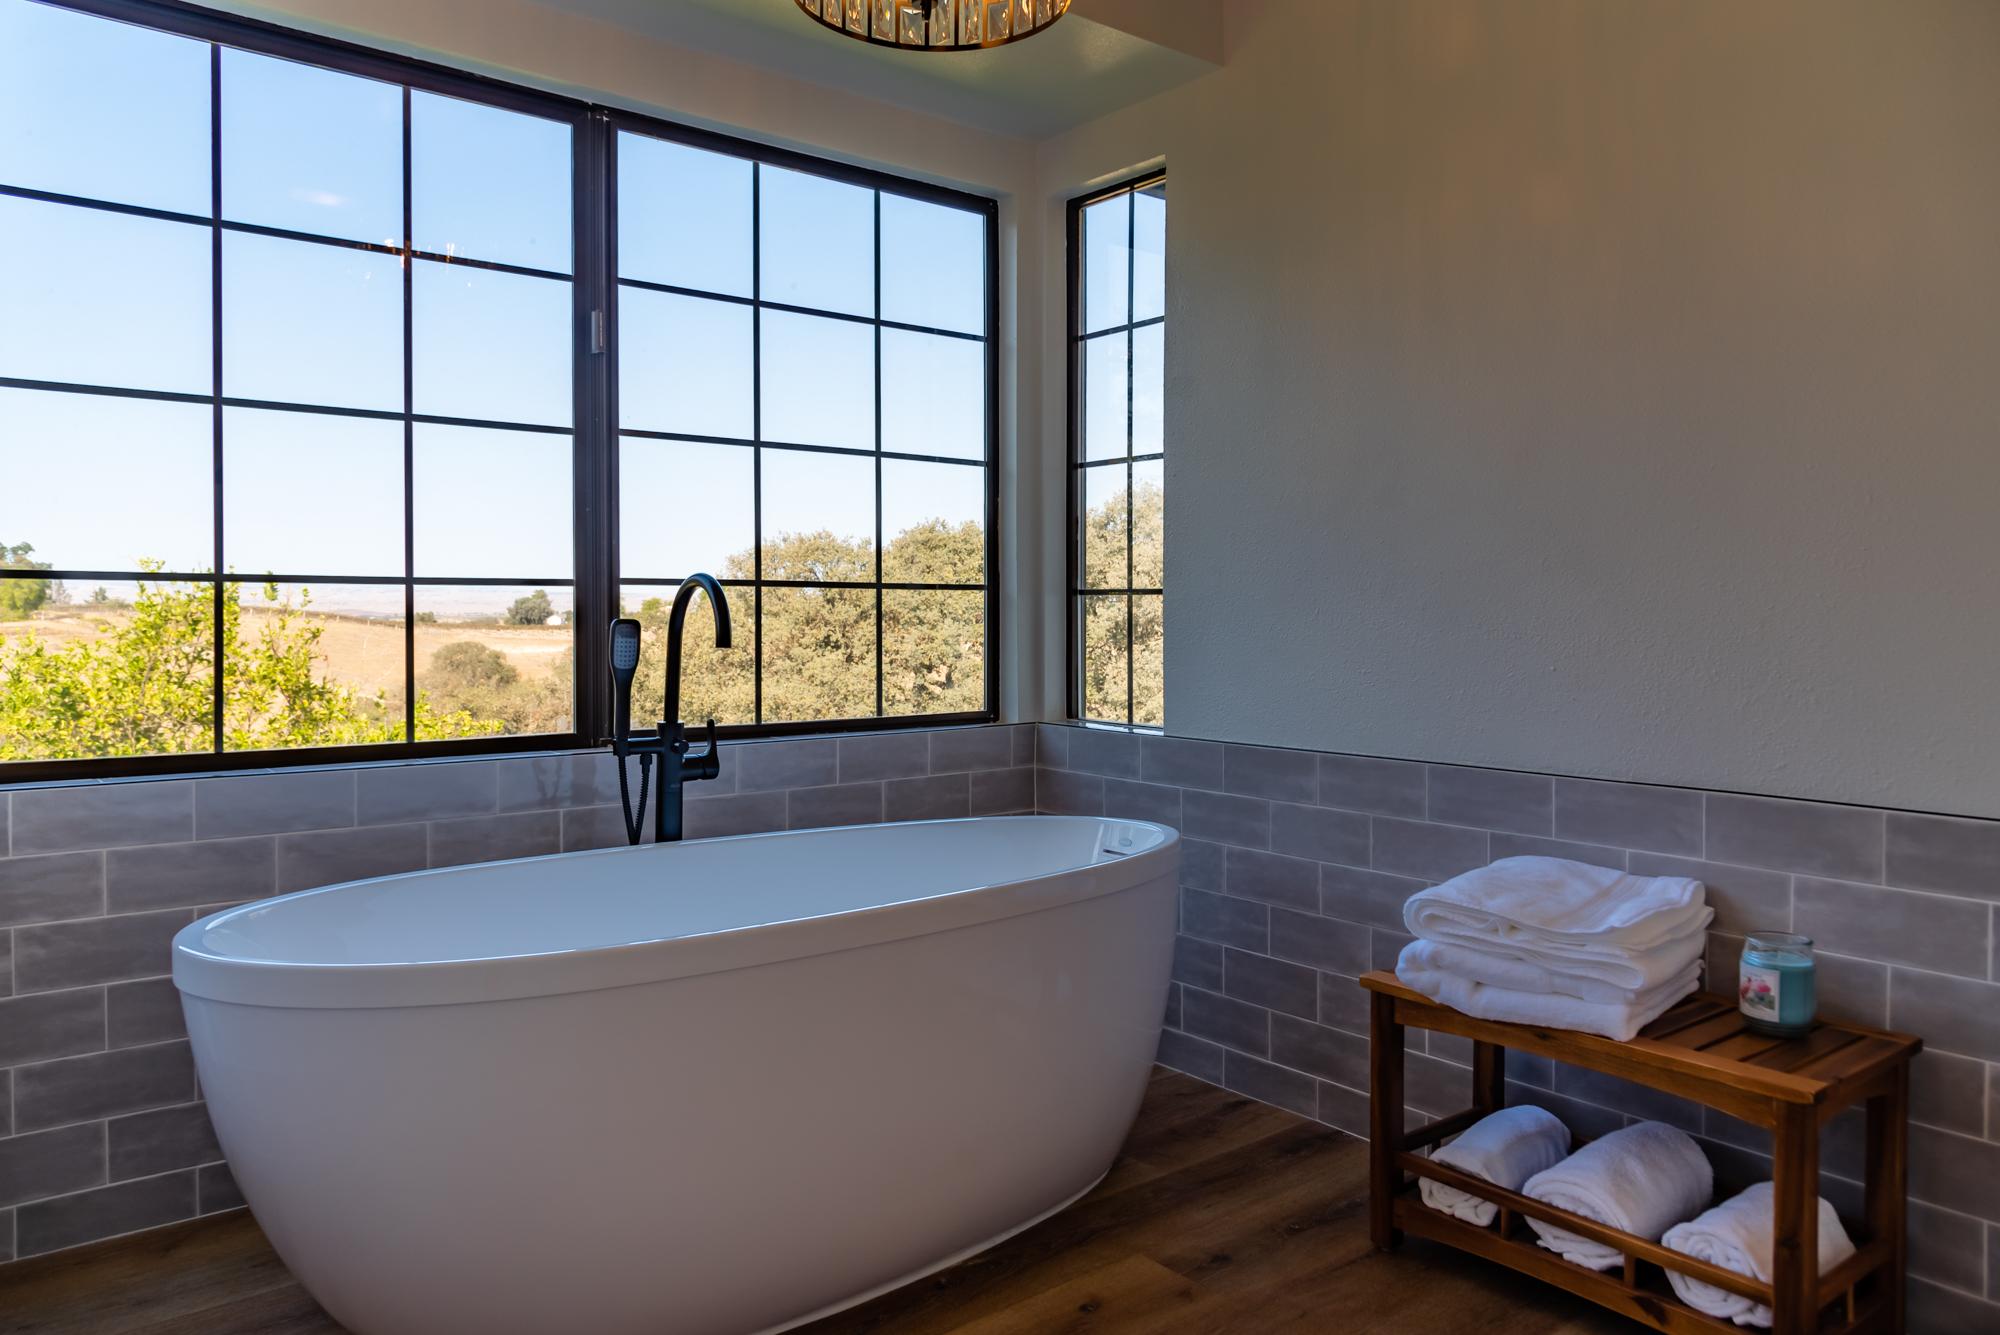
702	1089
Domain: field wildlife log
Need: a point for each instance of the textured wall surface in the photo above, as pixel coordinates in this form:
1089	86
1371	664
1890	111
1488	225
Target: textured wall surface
102	1130
1588	388
1297	863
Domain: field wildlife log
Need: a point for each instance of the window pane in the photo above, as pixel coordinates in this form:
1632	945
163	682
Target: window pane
1107	240
717	684
818	242
1148	389
492	503
684	216
1149	253
100	298
818	381
1104	669
933	523
933	651
314	665
933	395
312	494
933	265
684	364
311	150
819	654
306	323
685	507
489	184
1148	527
493	661
104	110
111	669
1104	527
819	516
99	483
1104	397
1148	680
493	346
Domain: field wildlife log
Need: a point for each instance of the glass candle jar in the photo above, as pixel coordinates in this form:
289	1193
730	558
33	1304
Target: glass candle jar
1775	986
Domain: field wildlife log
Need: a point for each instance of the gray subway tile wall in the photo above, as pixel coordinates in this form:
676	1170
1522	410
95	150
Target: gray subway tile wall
102	1131
1903	907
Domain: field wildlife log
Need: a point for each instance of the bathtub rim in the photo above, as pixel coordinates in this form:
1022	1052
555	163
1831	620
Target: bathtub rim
292	984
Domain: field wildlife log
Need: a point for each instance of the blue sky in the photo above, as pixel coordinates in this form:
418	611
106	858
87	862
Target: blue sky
104	110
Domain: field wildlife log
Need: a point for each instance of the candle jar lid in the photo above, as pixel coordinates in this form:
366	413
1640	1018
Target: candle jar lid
1781	944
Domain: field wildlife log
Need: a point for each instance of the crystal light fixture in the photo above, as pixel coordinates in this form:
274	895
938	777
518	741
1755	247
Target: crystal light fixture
936	25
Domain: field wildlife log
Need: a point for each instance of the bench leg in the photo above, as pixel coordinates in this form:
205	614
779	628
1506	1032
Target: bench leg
1385	1119
1887	1176
1795	1222
1489	1077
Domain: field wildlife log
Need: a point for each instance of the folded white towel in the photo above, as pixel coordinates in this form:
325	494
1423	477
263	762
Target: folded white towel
1670	963
1505	1148
1736	1235
1643	1179
1592	921
1545	1010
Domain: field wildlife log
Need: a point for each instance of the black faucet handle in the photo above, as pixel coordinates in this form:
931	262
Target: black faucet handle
708	764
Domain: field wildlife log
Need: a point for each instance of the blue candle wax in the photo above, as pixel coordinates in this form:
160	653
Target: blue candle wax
1776	987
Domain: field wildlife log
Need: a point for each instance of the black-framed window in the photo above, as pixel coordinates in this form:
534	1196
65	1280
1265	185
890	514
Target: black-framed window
347	329
1117	342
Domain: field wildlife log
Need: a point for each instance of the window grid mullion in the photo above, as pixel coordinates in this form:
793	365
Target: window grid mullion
757	437
879	551
219	648
409	446
1131	505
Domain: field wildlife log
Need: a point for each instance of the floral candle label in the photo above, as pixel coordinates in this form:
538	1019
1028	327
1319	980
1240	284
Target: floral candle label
1759	990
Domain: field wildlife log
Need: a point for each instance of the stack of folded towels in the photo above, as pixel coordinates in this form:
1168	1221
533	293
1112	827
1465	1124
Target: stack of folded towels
1558	944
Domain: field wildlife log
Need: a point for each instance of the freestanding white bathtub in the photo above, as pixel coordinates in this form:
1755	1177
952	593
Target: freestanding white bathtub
700	1089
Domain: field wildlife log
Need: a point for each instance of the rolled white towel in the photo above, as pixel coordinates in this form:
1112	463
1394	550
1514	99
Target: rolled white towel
1569	915
1545	1010
1497	968
1642	1179
1736	1235
1505	1148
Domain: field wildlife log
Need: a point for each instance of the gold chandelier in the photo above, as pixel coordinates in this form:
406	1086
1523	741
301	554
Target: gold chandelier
936	25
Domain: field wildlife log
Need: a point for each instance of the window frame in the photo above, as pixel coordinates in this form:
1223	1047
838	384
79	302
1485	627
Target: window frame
1074	337
594	429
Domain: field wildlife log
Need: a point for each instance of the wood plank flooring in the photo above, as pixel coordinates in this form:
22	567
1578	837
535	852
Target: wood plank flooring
1222	1217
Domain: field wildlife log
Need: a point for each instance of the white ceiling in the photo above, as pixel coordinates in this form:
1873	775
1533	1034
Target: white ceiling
1077	70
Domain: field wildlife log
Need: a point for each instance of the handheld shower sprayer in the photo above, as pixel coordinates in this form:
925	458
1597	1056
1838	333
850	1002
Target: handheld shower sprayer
624	667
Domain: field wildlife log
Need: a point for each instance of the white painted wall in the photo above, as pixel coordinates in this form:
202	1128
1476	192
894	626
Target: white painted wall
1601	388
545	47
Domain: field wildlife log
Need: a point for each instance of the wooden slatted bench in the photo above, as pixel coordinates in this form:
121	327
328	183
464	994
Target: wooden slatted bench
1699	1050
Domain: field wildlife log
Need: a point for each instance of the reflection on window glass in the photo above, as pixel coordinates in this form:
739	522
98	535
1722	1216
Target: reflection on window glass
819	516
146	496
933	395
311	150
317	665
661	534
311	324
818	654
96	298
353	524
492	346
1107	271
1119	497
719	684
489	184
684	365
683	216
933	265
933	651
103	110
493	661
818	381
140	653
491	503
818	242
933	523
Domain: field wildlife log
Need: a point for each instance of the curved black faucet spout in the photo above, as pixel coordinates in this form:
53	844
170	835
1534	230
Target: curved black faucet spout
676	623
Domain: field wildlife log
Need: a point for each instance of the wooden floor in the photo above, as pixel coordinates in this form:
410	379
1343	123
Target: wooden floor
1222	1216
